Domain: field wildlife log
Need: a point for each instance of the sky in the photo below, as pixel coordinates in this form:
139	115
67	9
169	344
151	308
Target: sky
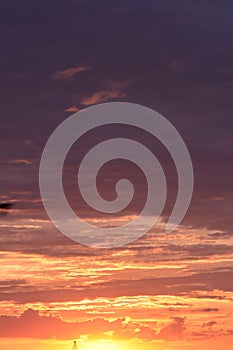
164	291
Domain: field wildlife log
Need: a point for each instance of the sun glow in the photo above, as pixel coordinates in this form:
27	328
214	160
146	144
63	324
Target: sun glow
102	345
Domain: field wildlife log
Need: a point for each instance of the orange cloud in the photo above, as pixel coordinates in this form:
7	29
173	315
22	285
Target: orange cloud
113	90
31	325
72	109
102	96
174	330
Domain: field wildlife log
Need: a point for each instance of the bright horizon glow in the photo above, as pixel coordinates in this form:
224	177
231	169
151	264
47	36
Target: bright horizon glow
101	345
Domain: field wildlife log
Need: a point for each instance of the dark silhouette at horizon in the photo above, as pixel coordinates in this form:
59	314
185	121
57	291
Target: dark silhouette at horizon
75	345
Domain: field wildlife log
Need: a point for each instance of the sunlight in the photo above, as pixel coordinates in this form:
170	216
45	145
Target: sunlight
102	345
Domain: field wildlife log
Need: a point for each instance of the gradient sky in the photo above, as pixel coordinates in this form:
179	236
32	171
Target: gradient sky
163	291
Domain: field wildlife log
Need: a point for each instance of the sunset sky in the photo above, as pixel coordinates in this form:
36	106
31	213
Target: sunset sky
164	291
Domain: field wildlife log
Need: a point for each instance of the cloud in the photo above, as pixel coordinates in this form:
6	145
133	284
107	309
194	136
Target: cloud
116	288
102	96
145	332
210	324
19	227
69	73
72	109
109	90
12	283
21	161
209	309
174	330
31	325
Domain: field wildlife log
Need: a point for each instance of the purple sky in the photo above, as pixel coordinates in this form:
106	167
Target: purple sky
175	57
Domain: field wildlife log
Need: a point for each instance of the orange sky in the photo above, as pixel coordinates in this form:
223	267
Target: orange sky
151	293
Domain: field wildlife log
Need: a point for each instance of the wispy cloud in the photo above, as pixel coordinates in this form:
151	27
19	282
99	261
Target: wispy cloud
71	109
69	73
21	226
21	161
102	96
113	90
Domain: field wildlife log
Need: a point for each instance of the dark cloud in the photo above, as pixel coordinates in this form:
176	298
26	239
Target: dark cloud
31	325
179	285
210	324
208	309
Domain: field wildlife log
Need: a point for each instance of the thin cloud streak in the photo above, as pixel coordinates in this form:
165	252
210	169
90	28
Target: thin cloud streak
69	73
